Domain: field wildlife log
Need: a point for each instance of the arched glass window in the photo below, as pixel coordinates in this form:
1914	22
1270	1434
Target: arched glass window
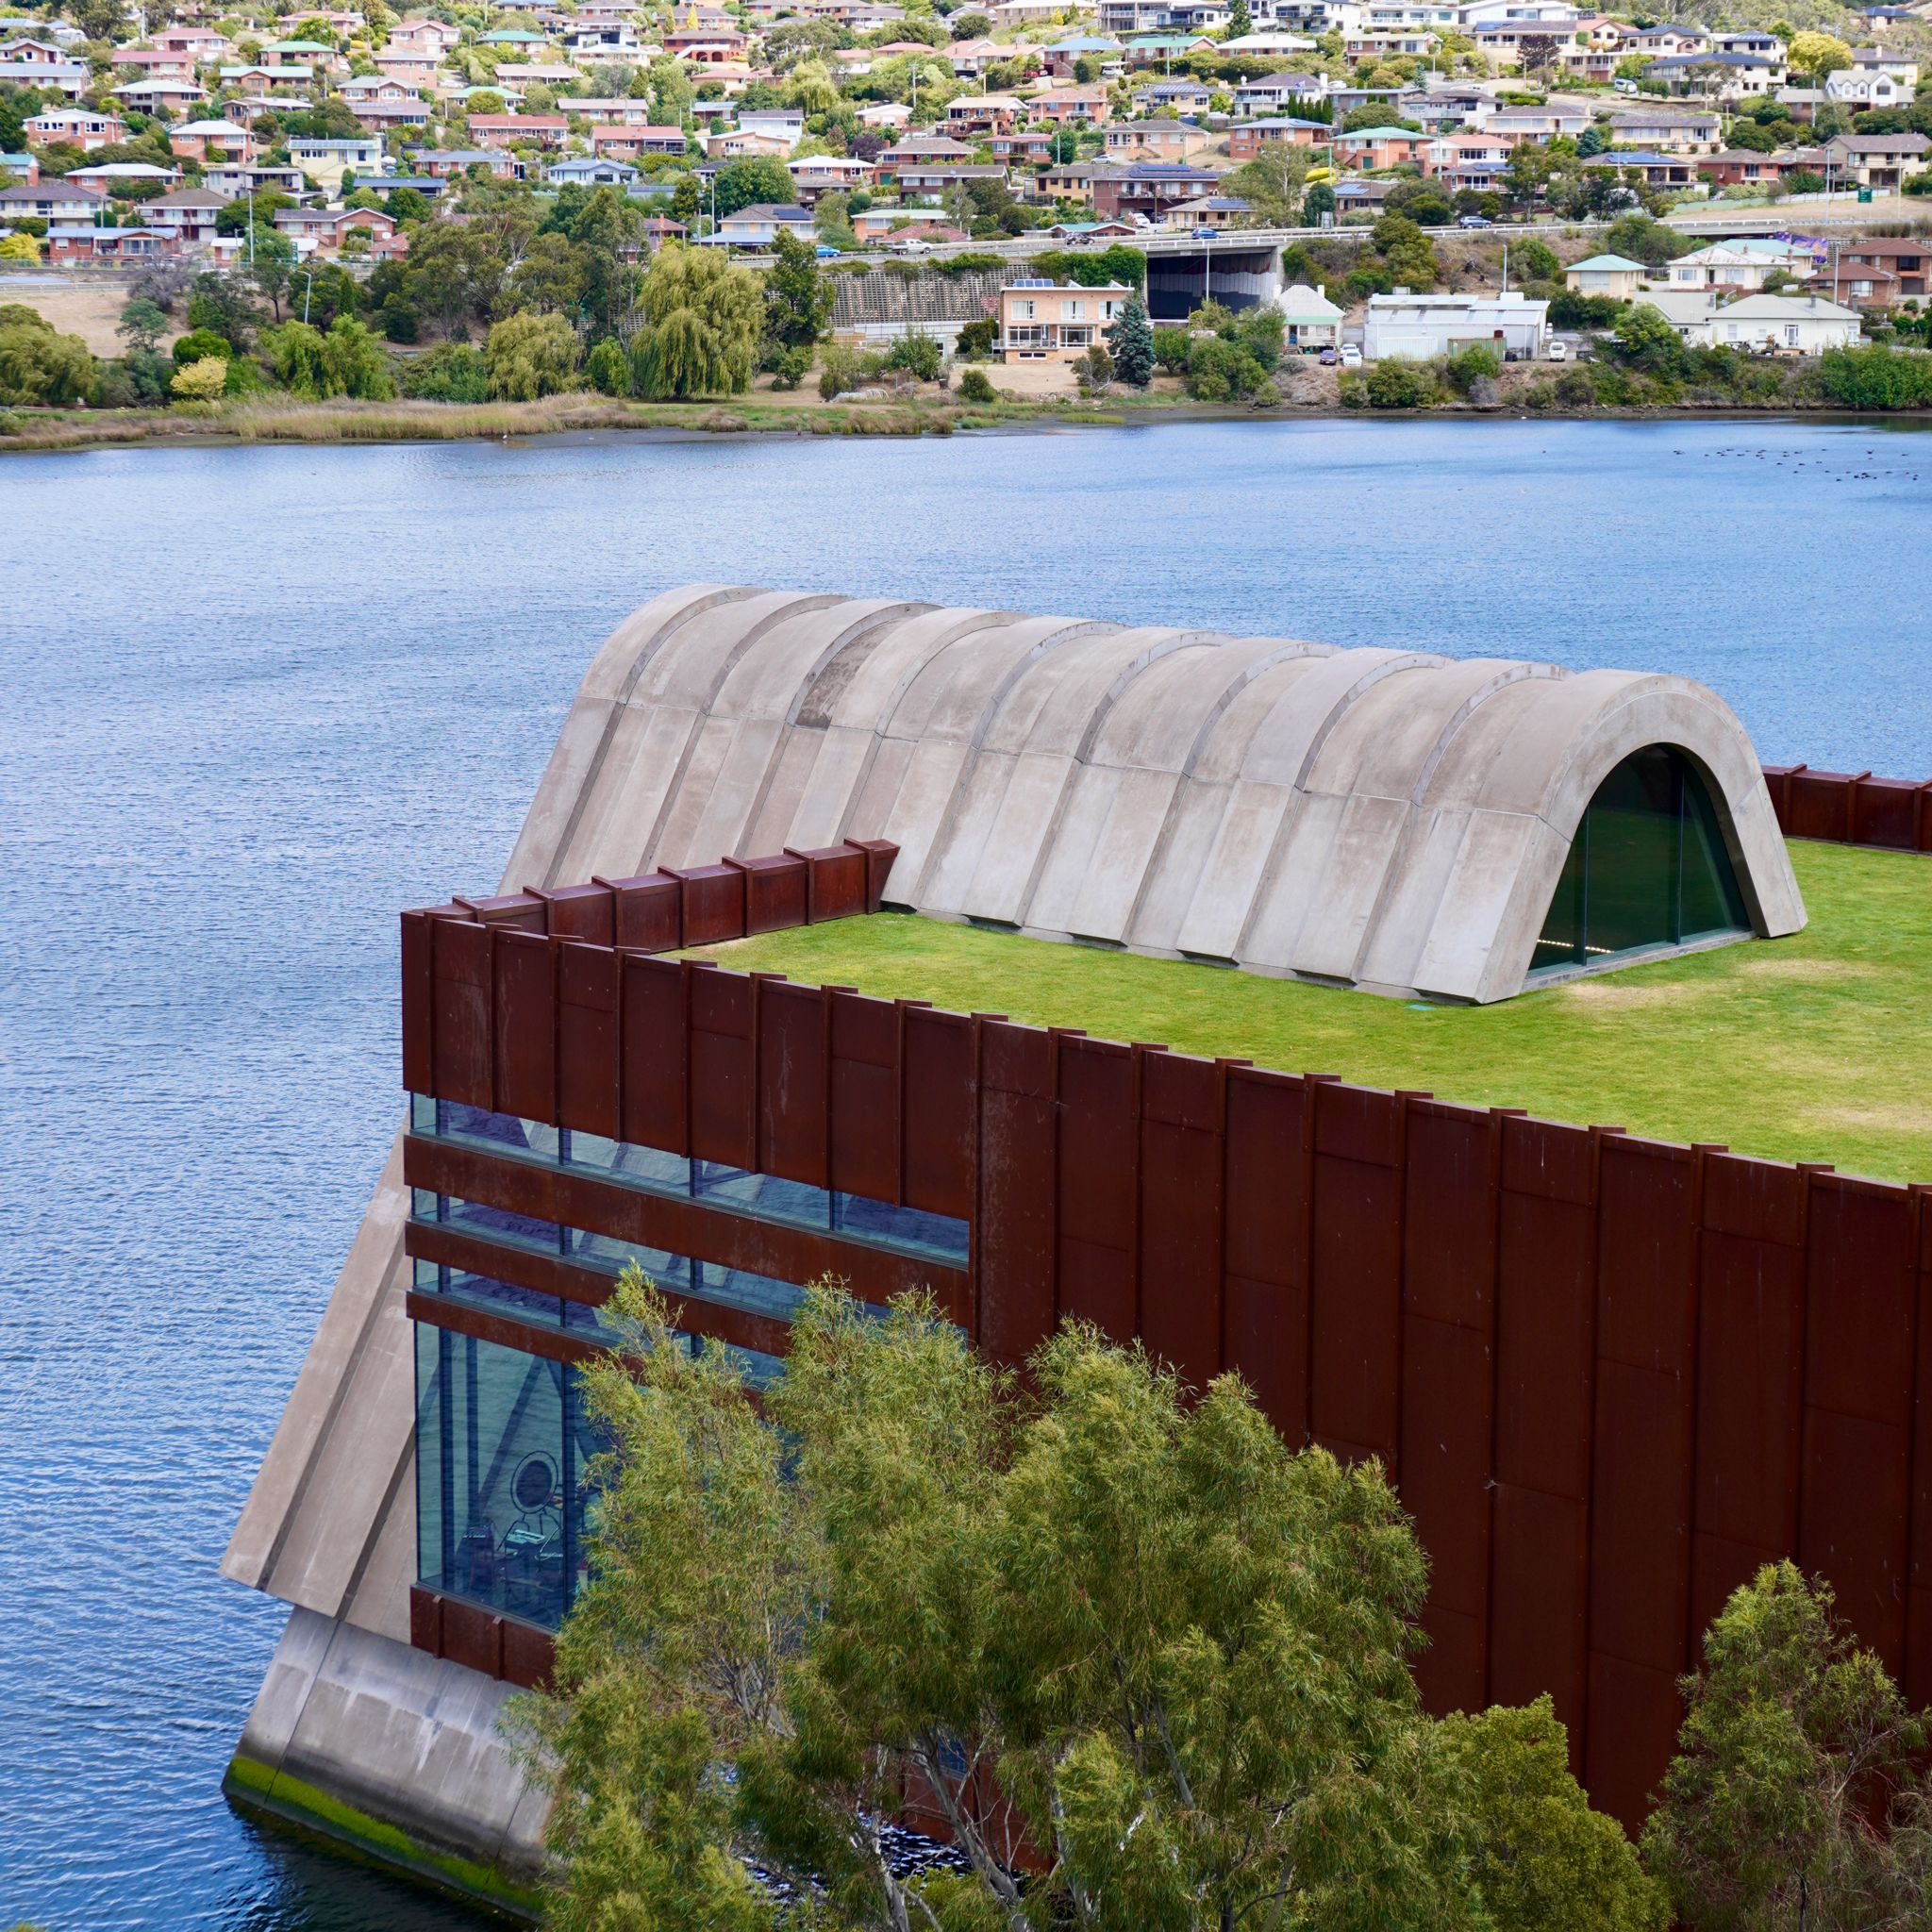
1649	867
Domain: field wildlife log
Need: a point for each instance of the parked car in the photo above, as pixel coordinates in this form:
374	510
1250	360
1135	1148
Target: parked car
1557	352
825	254
1351	356
1473	222
1329	358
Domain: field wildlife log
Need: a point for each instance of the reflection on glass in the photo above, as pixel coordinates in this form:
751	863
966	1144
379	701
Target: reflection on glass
1648	868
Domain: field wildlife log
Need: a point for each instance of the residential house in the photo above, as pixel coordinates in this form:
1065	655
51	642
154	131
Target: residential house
411	70
84	242
1907	260
385	116
211	140
619	111
1472	161
1667	130
323	230
187	217
969	60
1408	327
52	200
1092	231
169	99
86	128
705	46
1042	321
146	64
822	175
1007	14
1745	166
234	179
1029	147
1717	77
1268	43
929	180
1211	212
1614	276
1181	96
28	53
512	130
1740	264
1155	140
1147	189
264	80
1067	181
21	169
630	143
430	38
1376	148
73	79
325	160
448	163
1664	172
1282	130
1275	94
1067	107
760	224
1785	326
977	114
1667	43
589	171
1062	57
605	40
739	143
120	178
1748	41
1883	162
917	149
1311	320
1538	124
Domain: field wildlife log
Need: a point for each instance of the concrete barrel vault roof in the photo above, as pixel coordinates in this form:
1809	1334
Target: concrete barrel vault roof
1384	818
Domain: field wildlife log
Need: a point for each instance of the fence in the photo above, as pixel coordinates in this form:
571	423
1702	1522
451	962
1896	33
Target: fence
1852	808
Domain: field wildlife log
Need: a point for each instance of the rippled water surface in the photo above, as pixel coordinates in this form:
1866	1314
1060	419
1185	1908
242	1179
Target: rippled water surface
253	702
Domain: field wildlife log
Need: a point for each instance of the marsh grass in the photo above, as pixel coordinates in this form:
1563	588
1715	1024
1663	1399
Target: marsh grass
1817	1047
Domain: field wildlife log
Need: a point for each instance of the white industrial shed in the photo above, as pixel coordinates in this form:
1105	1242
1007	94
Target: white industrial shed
1385	818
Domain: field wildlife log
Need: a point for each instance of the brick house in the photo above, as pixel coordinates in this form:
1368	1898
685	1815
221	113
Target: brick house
1053	322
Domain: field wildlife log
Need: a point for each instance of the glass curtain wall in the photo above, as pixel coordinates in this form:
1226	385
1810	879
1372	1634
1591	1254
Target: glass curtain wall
1648	870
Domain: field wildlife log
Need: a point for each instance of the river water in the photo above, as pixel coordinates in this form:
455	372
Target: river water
255	701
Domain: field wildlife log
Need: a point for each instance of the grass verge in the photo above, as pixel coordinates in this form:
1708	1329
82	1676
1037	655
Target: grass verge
256	1788
1817	1047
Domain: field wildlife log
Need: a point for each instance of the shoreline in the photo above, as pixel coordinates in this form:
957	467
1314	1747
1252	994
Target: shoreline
64	431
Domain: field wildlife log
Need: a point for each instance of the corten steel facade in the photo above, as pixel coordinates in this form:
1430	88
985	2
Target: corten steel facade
1609	1376
1852	808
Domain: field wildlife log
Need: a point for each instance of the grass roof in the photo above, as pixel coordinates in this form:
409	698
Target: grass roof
1817	1047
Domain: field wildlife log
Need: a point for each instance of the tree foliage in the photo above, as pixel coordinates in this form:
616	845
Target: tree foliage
798	298
37	365
702	317
202	382
343	361
747	183
1131	338
531	355
1794	1746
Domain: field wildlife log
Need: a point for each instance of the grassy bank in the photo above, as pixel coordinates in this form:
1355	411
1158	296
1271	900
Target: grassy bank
258	1789
1817	1047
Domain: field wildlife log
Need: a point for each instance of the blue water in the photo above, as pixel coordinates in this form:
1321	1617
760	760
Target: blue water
253	702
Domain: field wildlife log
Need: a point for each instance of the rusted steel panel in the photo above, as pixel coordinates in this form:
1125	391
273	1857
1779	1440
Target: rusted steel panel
1013	1234
1537	1604
1885	811
776	892
1449	1216
863	1138
1358	1123
1181	1212
518	911
1266	1243
1922	1411
472	1637
1918	1674
938	1108
1777	781
1544	1327
1820	805
713	903
528	1654
647	913
1445	1457
462	1029
1634	1714
525	1024
425	1620
1449	1673
1719	1566
657	1053
580	913
590	987
1548	1162
723	1069
1861	1299
880	855
836	878
1647	1256
1639	1577
1097	1165
419	1003
1853	1522
1356	1288
793	1082
1749	1366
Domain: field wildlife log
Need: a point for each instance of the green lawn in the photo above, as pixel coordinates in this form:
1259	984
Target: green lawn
1812	1048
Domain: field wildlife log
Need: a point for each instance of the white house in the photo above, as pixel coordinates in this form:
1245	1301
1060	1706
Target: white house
1404	326
1742	265
1607	274
1785	325
1312	320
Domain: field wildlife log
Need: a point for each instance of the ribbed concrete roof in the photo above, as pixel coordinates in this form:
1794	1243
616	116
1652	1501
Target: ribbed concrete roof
1382	818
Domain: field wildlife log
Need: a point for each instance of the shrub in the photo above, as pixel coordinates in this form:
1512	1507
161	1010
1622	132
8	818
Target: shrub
975	341
37	365
1575	389
531	355
1569	310
789	368
199	342
842	369
1172	349
1875	377
1535	262
1467	367
401	319
1222	372
451	372
609	368
918	354
1401	386
1096	368
202	381
976	387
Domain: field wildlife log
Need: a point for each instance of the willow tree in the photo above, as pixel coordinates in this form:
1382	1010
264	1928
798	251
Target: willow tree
702	317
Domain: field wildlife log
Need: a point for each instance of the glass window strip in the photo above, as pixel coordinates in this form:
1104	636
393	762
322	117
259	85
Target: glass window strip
912	1231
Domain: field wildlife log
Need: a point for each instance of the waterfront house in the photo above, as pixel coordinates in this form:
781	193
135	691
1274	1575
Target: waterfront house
1311	320
1410	327
1785	324
1043	321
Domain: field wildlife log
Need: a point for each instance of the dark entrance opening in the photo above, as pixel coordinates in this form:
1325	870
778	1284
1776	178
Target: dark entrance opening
1649	869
